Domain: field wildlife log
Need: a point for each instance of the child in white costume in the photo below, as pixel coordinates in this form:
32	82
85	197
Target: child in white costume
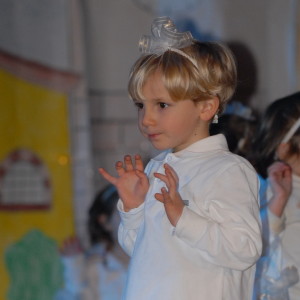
276	155
190	220
100	272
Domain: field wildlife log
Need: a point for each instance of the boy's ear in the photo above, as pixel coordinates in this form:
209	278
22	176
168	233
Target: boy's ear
208	108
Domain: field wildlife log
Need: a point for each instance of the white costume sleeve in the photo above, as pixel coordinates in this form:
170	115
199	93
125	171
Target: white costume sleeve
228	232
276	224
73	277
130	223
129	226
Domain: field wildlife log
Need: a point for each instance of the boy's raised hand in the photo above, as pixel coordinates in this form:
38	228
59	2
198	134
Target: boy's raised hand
170	198
132	183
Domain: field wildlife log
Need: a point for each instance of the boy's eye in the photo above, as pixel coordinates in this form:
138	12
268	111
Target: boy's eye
163	105
139	105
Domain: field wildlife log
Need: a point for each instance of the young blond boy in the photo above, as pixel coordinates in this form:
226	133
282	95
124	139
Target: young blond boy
190	220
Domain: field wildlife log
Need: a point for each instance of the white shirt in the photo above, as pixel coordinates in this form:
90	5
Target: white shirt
211	253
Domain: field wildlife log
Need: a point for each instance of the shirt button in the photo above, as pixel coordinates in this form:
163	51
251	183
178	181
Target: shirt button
169	158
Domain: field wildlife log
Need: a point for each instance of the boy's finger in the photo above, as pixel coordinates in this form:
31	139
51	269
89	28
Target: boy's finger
159	197
107	176
119	168
160	176
128	163
165	195
168	167
171	179
139	163
163	178
143	177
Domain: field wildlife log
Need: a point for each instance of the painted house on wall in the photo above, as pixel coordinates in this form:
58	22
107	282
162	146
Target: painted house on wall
44	144
36	190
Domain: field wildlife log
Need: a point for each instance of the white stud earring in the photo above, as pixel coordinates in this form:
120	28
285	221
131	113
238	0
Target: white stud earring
215	119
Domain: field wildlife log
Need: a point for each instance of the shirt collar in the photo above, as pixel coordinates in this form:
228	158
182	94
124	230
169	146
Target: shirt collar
211	143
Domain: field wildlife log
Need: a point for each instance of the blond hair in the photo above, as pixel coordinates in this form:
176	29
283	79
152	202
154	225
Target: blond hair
214	76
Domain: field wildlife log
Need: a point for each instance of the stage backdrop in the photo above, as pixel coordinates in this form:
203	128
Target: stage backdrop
36	211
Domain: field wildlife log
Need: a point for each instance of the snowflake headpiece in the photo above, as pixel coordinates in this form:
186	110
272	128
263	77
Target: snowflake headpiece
165	37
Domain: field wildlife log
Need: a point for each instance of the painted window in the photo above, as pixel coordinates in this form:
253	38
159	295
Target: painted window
24	182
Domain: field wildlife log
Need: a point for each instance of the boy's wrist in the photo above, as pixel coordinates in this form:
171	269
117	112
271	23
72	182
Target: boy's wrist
126	208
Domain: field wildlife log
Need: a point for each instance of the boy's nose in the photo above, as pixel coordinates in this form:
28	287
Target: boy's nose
148	118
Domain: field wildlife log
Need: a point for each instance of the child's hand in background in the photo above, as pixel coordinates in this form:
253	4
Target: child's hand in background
170	198
132	183
71	246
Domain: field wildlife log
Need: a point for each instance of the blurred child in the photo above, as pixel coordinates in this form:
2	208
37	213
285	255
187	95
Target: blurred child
276	156
190	220
100	272
238	124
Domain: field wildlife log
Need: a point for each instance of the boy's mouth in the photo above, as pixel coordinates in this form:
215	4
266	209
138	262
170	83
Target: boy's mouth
153	135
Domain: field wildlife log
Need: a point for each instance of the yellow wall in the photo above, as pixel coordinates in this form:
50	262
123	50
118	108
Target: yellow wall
36	118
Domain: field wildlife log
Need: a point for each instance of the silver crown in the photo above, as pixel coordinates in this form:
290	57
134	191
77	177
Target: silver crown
164	37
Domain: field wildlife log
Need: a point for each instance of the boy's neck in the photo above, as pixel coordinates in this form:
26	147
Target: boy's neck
196	141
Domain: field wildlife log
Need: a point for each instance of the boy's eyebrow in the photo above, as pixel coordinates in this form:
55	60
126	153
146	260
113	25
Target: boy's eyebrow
154	99
164	100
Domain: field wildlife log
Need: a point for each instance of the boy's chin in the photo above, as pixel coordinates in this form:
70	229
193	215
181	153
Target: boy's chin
160	147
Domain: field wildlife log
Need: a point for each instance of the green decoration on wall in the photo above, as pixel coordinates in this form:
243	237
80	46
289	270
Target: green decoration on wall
34	267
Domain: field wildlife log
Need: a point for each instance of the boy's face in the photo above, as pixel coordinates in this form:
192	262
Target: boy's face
168	124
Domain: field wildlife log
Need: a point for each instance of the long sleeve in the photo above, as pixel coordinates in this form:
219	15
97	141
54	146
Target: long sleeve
131	221
227	232
129	226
